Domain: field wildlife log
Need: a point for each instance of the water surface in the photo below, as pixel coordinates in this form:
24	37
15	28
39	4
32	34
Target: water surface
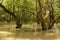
11	33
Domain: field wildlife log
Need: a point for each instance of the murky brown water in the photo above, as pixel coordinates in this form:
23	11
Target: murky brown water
8	33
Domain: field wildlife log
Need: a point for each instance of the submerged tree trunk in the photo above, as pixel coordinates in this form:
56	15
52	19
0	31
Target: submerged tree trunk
40	16
50	14
19	25
51	17
37	13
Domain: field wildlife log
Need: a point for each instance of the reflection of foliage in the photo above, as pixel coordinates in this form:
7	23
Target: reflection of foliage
31	30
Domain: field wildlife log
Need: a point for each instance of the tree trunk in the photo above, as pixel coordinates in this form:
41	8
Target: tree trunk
19	25
40	16
51	17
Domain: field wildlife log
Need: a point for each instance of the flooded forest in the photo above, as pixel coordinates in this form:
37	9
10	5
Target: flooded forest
29	19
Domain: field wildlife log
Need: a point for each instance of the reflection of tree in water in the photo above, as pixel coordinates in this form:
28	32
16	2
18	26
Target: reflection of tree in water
17	33
50	34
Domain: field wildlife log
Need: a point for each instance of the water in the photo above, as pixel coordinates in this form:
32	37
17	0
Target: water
10	33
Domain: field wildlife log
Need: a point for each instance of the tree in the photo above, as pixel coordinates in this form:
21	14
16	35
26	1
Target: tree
15	9
18	22
40	16
49	15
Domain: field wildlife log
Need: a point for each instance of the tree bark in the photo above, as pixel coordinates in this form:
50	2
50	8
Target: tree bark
18	23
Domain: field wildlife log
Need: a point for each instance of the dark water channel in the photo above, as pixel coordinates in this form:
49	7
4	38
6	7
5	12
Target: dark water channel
8	33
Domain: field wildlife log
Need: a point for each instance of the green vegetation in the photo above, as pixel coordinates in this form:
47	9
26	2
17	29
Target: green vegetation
44	12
